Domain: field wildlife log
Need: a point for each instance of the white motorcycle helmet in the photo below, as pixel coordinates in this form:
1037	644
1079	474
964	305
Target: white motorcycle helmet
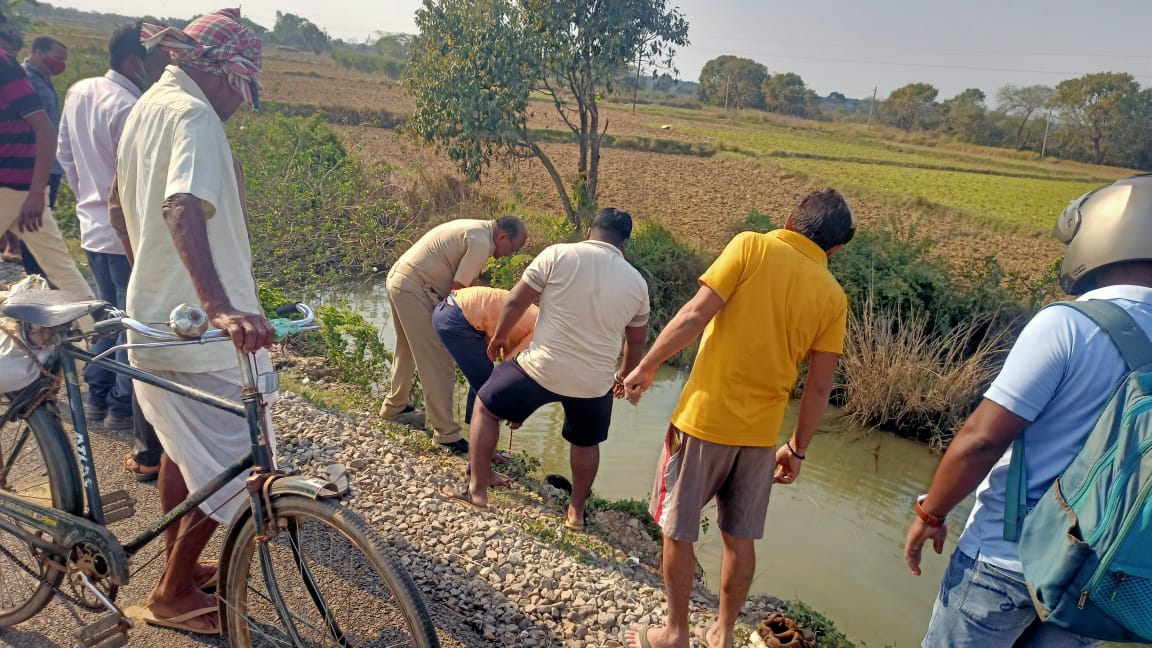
1108	225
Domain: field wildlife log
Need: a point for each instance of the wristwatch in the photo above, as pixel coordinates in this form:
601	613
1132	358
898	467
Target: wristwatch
925	516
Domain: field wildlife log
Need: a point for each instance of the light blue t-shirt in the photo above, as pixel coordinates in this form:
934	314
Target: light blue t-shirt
1059	375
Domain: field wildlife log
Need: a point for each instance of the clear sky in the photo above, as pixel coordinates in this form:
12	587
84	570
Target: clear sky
847	46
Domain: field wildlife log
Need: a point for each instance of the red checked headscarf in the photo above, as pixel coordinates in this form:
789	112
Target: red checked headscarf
217	43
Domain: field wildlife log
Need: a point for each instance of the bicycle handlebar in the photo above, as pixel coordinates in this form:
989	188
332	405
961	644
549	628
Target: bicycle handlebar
282	326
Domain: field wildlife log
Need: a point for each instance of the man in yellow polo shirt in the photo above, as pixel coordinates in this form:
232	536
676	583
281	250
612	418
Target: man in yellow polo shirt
767	303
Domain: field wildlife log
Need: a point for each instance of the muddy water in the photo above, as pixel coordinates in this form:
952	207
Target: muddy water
834	539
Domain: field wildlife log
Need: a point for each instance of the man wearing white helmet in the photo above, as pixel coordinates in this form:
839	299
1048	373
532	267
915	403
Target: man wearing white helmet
1059	375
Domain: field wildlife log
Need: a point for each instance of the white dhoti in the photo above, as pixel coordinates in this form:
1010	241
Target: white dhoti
203	440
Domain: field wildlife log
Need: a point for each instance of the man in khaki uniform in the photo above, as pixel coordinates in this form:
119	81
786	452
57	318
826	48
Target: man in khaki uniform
449	257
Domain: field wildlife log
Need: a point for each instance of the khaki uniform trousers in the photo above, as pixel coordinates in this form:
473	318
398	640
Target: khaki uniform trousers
419	348
46	244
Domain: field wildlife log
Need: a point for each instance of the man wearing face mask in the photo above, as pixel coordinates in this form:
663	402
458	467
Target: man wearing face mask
49	58
93	119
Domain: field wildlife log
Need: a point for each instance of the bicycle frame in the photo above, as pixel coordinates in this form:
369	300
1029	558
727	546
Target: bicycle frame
72	529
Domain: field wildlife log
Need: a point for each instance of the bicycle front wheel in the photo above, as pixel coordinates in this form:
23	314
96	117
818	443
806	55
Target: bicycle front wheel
36	466
329	572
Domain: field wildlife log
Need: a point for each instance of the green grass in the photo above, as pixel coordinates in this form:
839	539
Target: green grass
1001	190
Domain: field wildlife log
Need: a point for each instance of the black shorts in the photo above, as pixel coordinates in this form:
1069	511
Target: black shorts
512	395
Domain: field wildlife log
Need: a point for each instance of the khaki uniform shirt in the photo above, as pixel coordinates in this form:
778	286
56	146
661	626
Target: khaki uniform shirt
455	251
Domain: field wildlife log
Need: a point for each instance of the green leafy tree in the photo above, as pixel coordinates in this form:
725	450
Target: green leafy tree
733	82
299	32
966	116
654	54
910	106
1096	108
787	94
476	62
1023	102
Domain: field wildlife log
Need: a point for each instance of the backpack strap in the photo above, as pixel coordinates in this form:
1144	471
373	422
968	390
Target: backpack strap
1016	492
1126	334
1134	347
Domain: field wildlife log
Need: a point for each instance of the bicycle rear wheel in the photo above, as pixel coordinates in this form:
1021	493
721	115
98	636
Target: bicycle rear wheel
337	584
36	465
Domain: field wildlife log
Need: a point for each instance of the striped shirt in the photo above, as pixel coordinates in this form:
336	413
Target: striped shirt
18	101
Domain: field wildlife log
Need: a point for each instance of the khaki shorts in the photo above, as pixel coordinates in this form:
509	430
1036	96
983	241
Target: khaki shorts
692	471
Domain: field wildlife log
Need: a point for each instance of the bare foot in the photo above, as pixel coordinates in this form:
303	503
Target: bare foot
575	519
499	480
168	608
204	572
656	638
718	638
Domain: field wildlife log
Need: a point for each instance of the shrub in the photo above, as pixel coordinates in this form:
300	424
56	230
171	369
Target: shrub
313	211
897	373
671	268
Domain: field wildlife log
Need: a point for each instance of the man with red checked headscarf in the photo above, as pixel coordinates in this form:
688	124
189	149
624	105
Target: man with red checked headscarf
182	197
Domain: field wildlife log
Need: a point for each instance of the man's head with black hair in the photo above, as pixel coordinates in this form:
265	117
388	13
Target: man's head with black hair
825	219
128	56
611	226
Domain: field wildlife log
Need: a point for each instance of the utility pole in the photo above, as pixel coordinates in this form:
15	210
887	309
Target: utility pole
871	107
726	84
1048	125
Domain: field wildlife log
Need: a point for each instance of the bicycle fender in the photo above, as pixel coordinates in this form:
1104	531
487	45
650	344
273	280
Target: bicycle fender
310	487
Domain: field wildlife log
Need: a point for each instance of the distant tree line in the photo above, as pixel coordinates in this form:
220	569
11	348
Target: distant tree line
1104	118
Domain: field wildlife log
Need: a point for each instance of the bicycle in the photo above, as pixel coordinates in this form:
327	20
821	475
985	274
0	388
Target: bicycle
283	556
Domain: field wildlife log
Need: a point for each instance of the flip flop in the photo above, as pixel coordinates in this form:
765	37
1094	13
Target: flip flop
209	584
337	475
180	621
458	494
641	632
141	473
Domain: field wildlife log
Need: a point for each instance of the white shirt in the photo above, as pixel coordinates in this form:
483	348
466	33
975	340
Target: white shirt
174	143
1059	375
90	127
589	293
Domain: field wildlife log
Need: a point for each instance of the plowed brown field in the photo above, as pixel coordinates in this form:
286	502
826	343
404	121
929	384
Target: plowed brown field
698	198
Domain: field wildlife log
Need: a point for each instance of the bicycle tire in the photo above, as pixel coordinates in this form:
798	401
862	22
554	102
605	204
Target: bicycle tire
40	468
386	608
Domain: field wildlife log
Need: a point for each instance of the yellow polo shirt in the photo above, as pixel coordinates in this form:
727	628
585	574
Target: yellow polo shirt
780	303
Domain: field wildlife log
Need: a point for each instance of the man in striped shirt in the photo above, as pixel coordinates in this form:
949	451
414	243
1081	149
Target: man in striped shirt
27	151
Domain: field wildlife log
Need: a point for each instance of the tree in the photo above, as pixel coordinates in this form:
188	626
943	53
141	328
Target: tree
1096	107
910	106
965	116
299	32
787	94
733	82
476	62
1023	102
654	52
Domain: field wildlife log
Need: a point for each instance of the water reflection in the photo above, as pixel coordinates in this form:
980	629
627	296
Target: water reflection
834	539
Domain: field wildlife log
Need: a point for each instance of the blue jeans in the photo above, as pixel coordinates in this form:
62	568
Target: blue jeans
983	605
468	347
107	390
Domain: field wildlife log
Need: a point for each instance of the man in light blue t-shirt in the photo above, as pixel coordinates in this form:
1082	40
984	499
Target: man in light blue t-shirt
1054	384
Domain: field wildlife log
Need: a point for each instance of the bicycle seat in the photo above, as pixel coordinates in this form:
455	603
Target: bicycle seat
49	307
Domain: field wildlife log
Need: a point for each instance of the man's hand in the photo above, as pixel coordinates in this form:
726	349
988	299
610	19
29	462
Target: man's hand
32	212
638	382
497	348
248	331
918	534
787	466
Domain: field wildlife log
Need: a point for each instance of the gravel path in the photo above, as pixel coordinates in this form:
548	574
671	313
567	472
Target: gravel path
504	576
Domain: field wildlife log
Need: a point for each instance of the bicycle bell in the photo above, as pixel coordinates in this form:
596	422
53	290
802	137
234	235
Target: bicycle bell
188	321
